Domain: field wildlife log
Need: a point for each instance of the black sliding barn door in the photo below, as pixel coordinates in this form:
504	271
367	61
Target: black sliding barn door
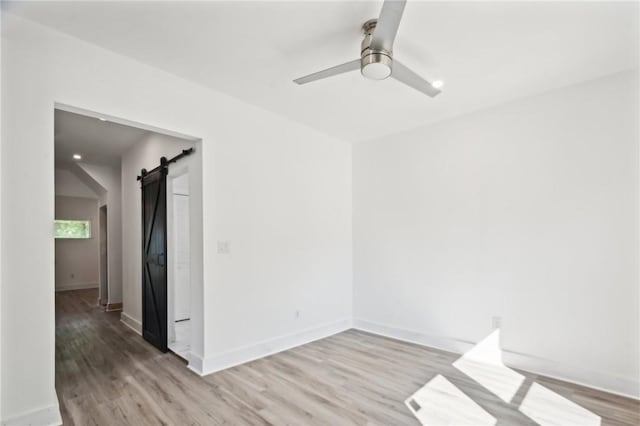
154	258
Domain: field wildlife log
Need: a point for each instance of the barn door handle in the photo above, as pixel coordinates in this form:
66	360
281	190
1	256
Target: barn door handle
161	259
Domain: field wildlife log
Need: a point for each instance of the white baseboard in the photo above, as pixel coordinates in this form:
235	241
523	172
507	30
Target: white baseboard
131	322
195	363
606	382
47	416
265	348
75	286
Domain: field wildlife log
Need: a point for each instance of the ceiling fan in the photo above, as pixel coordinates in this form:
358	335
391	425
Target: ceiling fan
376	54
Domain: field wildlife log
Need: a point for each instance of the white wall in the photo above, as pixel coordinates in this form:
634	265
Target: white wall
69	185
285	207
278	191
109	179
528	211
77	259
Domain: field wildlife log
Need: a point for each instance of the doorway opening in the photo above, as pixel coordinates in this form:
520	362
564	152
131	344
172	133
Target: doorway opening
99	157
179	279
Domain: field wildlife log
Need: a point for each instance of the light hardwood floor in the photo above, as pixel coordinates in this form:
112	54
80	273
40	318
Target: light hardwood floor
108	375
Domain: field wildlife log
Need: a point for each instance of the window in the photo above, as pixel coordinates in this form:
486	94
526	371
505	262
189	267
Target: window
80	229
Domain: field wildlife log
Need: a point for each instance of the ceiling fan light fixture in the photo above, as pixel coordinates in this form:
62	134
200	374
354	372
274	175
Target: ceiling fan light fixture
376	66
376	71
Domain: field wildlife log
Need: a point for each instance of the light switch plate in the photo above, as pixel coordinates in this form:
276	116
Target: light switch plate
224	247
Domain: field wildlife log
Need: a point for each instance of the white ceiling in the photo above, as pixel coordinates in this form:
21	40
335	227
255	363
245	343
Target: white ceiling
98	142
485	52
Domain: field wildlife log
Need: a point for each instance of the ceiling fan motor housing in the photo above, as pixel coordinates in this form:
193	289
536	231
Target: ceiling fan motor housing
374	64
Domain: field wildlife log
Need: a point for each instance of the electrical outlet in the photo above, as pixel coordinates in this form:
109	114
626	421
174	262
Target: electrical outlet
496	322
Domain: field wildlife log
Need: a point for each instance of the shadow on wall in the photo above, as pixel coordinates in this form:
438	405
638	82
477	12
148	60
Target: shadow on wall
497	395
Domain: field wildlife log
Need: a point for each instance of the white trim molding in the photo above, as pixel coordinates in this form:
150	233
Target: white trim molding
131	322
195	363
603	381
47	416
76	286
265	348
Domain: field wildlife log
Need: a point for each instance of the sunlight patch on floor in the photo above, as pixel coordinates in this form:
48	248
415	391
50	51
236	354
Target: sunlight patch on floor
483	363
547	408
440	402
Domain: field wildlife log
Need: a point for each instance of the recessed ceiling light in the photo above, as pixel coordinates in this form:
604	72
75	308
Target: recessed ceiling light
102	119
437	84
77	157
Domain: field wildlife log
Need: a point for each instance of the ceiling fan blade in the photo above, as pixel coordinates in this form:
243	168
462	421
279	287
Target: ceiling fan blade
387	26
329	72
410	78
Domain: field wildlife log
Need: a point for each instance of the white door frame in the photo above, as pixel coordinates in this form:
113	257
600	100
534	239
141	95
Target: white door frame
193	165
175	170
103	287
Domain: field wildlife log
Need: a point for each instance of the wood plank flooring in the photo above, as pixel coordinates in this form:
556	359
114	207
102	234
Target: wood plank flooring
108	375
